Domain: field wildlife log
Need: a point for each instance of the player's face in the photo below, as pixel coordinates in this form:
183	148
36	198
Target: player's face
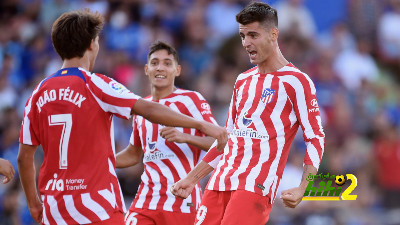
95	50
162	69
258	41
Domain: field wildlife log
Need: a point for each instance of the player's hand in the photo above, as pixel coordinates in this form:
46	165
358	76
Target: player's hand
7	170
182	188
292	197
36	211
171	134
217	132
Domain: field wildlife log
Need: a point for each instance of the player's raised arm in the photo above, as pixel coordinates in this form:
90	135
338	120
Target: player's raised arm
161	114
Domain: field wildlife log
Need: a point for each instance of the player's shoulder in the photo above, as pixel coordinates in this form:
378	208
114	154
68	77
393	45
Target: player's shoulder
148	97
291	70
95	76
247	73
194	95
292	73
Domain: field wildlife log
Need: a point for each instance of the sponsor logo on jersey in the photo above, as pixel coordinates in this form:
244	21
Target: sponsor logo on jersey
246	121
151	144
205	112
248	132
268	95
117	87
314	104
69	184
154	154
205	106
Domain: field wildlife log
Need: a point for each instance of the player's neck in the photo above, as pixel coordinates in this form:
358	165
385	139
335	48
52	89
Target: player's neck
159	93
83	62
275	62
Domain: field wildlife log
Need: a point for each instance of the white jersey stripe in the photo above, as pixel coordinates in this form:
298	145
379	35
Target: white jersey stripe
27	139
143	193
156	188
111	168
124	112
109	196
55	214
94	206
73	212
45	220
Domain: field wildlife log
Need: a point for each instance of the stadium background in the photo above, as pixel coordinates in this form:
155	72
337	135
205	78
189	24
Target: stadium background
350	48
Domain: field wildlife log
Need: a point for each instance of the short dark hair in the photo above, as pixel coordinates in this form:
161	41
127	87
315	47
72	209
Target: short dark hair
258	12
73	32
159	45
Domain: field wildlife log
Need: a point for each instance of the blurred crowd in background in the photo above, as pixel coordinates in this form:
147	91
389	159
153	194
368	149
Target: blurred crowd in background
350	49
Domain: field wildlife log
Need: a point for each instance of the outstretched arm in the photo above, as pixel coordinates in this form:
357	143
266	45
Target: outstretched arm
184	187
130	156
7	170
171	134
157	113
27	173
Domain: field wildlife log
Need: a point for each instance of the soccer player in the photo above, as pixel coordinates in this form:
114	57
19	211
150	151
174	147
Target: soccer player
169	153
70	114
269	103
7	170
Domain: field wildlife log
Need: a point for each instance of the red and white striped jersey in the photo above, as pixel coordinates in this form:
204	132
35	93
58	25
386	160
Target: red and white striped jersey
167	162
264	115
70	114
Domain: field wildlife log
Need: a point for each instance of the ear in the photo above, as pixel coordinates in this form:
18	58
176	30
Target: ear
178	71
145	69
274	32
92	43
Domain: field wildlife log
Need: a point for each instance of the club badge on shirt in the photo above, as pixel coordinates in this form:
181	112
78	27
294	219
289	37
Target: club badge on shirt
268	95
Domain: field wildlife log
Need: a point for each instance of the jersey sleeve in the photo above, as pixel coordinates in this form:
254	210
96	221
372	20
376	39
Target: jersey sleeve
302	93
203	108
29	127
112	96
213	156
135	137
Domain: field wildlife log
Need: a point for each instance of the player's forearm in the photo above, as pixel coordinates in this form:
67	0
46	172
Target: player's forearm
27	173
199	172
157	113
307	170
126	158
203	143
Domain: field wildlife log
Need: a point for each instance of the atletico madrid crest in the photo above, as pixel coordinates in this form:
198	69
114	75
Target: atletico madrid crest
268	95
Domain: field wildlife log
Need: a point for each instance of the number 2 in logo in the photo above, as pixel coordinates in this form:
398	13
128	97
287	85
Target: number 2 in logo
201	214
